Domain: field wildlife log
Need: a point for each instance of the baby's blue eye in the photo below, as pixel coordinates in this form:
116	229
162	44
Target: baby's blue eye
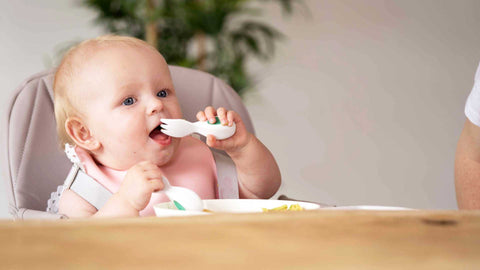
128	101
162	93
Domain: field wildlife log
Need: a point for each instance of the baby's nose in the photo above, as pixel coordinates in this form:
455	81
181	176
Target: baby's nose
155	106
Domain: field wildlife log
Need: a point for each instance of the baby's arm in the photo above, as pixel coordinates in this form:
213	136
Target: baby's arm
74	206
133	196
257	170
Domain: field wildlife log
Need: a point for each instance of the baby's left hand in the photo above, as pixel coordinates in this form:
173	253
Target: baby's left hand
240	138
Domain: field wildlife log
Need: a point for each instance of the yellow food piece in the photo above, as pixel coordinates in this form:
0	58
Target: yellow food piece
293	207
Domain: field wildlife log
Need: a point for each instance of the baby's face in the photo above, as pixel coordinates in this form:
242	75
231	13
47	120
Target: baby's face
123	92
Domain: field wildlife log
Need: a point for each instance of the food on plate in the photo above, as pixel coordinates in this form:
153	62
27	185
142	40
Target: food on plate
293	207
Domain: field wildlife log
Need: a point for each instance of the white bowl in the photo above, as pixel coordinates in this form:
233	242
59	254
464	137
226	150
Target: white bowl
229	206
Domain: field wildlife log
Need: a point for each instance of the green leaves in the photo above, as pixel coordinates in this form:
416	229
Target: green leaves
255	38
118	16
223	31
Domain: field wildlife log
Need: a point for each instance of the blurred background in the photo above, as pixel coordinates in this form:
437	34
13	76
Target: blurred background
360	101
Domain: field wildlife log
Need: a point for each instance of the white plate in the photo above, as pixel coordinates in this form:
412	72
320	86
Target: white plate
229	206
368	207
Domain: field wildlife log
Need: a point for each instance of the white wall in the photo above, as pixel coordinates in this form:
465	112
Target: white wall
363	103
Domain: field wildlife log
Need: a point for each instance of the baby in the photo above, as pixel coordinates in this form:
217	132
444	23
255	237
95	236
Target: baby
110	94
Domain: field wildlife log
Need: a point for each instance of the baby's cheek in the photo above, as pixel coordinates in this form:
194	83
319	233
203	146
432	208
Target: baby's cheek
174	109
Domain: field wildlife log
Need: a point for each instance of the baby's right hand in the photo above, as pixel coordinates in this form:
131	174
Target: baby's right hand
139	183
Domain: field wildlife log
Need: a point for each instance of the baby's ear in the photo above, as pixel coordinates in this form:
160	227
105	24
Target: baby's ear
81	134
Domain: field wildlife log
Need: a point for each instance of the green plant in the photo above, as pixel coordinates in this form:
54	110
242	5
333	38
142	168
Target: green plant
223	32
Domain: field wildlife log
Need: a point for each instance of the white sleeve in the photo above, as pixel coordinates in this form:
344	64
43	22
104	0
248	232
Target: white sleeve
472	107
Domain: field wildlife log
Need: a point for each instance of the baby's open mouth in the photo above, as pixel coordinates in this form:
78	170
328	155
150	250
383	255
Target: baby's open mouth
158	136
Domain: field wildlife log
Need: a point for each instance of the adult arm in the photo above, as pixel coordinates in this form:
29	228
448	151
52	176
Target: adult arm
467	167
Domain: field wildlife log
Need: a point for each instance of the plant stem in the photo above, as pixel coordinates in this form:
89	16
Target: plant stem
202	50
151	35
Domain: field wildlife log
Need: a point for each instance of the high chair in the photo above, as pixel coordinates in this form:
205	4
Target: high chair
32	162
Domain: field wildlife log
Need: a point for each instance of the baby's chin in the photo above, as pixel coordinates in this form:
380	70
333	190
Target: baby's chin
167	154
160	156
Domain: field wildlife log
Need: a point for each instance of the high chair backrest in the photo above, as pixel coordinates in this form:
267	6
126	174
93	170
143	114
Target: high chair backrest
32	163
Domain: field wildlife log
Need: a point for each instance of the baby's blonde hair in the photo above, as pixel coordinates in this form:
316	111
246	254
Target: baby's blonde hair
68	69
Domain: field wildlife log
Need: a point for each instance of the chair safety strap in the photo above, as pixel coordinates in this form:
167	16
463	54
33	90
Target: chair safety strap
87	187
227	182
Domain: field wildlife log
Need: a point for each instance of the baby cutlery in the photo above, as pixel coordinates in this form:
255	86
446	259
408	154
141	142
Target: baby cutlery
182	128
183	198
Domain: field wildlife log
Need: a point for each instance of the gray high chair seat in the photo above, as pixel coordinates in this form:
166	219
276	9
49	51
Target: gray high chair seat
32	163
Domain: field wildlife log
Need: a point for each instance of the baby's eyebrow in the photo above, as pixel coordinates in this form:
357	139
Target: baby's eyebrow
162	83
128	86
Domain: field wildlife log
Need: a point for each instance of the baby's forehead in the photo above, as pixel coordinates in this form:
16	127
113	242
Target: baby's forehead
104	58
93	50
98	56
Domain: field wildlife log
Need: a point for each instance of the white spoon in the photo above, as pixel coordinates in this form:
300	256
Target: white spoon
182	128
183	198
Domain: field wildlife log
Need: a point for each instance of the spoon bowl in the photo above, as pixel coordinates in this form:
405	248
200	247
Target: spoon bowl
183	198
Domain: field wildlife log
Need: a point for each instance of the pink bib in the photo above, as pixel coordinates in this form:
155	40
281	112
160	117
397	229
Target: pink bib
193	167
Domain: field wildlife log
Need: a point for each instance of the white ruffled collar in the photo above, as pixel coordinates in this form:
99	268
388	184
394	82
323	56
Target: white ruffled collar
72	155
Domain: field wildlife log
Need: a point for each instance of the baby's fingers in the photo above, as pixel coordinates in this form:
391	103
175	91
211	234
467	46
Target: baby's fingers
210	114
232	117
226	117
211	141
156	185
151	175
222	115
201	116
215	143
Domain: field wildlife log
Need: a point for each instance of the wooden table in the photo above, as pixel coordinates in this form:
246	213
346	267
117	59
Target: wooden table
325	239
